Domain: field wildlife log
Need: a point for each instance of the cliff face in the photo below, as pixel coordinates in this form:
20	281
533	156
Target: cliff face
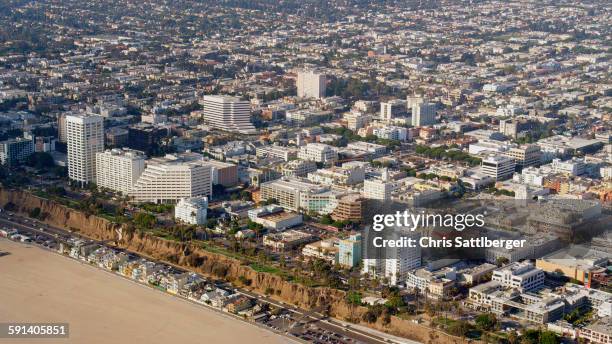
60	216
213	265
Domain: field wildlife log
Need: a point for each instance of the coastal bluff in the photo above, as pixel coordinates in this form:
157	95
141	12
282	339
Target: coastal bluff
197	259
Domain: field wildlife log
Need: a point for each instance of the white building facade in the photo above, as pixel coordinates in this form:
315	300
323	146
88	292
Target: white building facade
423	114
119	169
168	180
85	136
392	108
310	84
523	276
192	210
228	113
318	152
573	167
498	167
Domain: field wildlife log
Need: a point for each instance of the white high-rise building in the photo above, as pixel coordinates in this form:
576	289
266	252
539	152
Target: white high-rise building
377	189
401	259
85	136
373	266
318	152
412	100
168	179
498	166
392	263
392	108
310	84
119	169
423	114
228	113
192	210
606	173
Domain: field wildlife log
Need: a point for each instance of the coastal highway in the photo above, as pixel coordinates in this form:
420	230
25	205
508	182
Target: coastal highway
321	321
50	232
333	325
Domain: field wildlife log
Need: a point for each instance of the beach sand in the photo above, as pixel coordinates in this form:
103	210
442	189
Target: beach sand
41	286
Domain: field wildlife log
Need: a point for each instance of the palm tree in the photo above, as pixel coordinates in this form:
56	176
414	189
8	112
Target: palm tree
348	255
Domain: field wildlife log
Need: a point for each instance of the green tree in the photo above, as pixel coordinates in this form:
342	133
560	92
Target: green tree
326	219
395	301
549	337
459	328
40	160
144	220
245	196
486	322
353	298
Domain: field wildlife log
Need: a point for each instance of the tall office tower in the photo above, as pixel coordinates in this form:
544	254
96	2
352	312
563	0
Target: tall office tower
85	138
516	127
392	263
498	166
168	179
356	120
15	151
525	156
62	136
228	113
413	100
423	114
145	137
392	108
400	260
119	169
310	84
117	137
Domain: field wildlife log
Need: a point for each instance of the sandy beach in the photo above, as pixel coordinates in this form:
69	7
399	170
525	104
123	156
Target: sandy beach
41	286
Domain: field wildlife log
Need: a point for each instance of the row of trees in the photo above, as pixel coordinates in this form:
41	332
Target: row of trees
327	220
449	153
499	192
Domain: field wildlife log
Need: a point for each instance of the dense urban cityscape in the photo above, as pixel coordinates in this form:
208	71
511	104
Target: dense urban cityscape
245	157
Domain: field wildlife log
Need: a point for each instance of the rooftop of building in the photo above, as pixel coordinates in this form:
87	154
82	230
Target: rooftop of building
278	216
288	236
603	325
